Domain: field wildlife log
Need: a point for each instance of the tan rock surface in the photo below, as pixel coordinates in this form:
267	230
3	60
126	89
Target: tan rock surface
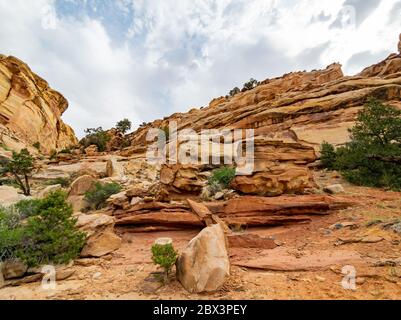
101	238
30	111
204	264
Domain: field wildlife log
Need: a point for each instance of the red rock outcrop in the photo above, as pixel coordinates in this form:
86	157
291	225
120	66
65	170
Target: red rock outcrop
249	211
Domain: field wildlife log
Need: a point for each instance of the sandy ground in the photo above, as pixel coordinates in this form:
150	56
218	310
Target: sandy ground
312	252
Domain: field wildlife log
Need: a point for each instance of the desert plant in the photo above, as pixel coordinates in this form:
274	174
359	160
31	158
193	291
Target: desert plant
40	231
28	208
222	176
373	156
165	256
327	155
97	137
36	145
50	235
10	233
66	151
20	167
123	126
98	195
234	91
252	83
64	182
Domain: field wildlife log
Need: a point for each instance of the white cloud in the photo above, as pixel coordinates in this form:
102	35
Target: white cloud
180	54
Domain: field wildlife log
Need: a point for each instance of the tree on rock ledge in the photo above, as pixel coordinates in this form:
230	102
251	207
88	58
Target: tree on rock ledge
20	167
373	156
123	126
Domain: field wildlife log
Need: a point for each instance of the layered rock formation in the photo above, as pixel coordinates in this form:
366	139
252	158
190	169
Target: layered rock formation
291	116
30	111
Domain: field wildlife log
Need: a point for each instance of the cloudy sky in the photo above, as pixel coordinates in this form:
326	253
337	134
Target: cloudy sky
145	59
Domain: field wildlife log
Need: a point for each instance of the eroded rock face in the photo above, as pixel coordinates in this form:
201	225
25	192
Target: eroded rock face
101	239
9	196
291	116
204	265
30	111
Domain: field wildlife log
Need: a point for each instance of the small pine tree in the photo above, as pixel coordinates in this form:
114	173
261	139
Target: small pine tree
20	166
165	256
50	235
123	126
373	156
97	137
328	155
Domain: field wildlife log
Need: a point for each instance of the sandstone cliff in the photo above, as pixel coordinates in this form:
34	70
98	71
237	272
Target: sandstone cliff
291	115
30	111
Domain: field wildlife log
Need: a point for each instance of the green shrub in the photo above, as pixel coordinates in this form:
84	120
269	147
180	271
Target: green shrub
66	151
328	155
165	256
50	236
234	91
36	145
123	126
28	208
97	137
40	231
222	176
100	193
20	167
373	156
10	233
64	182
252	83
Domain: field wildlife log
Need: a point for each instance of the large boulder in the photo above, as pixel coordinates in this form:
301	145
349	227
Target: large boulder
114	169
82	185
12	269
49	189
101	239
204	264
10	196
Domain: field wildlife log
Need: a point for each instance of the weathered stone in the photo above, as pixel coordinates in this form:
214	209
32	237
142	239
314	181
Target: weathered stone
91	150
30	111
81	185
334	188
114	169
101	238
118	200
10	196
49	189
250	241
14	269
204	265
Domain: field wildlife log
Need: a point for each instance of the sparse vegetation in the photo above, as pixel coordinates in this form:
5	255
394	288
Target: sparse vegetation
123	126
40	231
222	176
234	91
252	83
36	145
66	151
20	167
165	256
373	156
64	182
328	155
100	193
97	137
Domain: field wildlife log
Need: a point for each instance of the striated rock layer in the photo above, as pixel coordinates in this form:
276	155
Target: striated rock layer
291	116
30	111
